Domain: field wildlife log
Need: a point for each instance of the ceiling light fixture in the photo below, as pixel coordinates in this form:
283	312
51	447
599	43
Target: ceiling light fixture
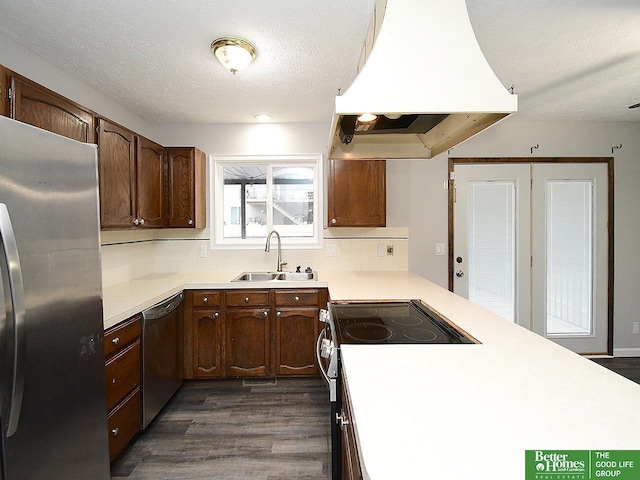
263	117
234	54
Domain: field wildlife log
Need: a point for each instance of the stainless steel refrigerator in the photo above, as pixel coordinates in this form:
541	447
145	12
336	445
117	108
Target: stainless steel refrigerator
53	406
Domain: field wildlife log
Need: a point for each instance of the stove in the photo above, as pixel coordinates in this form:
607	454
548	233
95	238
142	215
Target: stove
391	322
373	323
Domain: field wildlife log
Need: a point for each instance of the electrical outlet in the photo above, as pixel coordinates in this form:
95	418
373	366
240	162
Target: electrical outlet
636	328
389	250
380	250
331	250
203	251
441	249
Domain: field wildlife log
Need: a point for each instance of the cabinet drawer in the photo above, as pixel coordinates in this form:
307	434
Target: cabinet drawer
206	299
120	336
247	298
307	298
124	422
122	374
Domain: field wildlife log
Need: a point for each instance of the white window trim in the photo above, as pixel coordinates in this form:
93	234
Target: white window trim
216	204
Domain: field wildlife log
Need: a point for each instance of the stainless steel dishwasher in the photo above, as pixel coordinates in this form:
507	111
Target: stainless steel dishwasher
161	372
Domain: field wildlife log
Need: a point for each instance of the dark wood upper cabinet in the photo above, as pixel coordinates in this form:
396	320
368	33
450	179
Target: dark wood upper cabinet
357	193
5	82
38	106
151	184
186	194
117	172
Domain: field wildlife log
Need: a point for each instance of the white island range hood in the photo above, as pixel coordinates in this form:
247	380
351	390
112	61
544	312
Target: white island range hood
426	80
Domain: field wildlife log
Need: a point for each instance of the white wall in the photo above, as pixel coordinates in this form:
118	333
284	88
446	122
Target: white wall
514	138
28	64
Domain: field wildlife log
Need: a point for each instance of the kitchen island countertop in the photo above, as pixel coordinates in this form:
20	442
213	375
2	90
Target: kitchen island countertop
449	411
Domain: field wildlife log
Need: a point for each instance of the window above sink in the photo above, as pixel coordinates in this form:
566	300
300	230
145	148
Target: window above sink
252	195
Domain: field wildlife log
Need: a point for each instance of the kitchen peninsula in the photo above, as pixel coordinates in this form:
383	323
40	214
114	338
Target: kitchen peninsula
449	411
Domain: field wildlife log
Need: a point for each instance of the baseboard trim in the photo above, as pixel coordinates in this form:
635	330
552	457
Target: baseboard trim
626	352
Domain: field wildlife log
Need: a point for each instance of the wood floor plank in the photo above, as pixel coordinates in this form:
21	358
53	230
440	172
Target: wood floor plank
224	430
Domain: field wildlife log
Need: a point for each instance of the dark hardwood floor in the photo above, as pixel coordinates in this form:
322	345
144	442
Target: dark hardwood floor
626	366
224	430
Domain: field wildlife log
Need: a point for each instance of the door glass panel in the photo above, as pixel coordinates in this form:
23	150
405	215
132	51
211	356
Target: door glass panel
293	201
569	257
491	242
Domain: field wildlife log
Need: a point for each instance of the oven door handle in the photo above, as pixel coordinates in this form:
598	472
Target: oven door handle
321	337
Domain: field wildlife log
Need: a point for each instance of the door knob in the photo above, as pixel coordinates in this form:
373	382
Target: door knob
459	273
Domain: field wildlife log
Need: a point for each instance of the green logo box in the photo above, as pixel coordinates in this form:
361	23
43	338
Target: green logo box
582	464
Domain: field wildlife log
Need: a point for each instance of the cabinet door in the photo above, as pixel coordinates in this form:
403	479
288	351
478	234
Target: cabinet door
247	342
207	344
5	81
296	333
351	469
357	193
45	109
117	172
150	175
186	188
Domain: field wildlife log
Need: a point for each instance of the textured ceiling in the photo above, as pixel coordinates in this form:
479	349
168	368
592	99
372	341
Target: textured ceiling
567	59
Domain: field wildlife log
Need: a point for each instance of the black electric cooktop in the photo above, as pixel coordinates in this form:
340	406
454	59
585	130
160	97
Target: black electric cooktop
391	322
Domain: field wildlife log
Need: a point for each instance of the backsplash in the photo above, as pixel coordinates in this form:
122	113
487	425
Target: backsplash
130	255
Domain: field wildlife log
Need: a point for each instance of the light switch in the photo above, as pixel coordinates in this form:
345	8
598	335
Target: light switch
441	249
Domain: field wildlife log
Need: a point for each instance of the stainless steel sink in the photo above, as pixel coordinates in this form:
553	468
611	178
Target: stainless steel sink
276	277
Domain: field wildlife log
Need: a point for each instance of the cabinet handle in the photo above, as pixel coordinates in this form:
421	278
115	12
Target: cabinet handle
115	341
246	299
142	221
341	420
190	222
296	299
333	221
205	299
136	222
115	432
265	314
216	315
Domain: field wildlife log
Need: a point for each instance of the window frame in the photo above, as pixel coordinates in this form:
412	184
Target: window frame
216	199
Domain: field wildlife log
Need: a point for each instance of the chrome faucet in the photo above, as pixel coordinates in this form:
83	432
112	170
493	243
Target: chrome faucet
267	248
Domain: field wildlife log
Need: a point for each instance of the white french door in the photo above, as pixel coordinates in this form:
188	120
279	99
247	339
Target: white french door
531	244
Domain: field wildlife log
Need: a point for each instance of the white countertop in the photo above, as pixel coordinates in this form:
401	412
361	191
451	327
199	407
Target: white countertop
449	411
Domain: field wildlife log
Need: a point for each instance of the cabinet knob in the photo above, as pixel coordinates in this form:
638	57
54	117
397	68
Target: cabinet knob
246	299
296	299
278	314
333	221
142	221
265	314
113	380
115	432
190	222
136	222
205	299
216	315
115	341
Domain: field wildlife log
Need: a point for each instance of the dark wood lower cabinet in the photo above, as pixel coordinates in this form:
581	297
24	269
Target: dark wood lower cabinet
247	342
351	469
123	370
207	344
296	333
251	332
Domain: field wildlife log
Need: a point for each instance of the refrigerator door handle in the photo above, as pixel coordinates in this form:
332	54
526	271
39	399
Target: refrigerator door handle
8	240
